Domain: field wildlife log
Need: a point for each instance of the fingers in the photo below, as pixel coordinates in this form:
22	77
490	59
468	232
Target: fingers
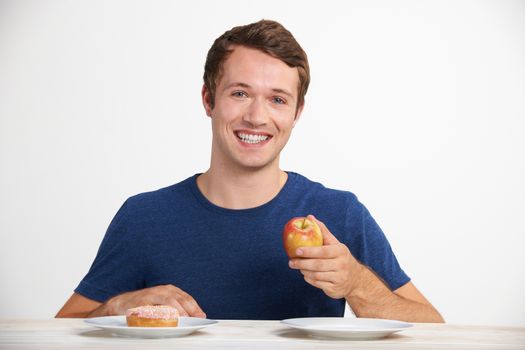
189	305
159	295
329	288
176	304
328	267
319	284
322	252
322	265
331	277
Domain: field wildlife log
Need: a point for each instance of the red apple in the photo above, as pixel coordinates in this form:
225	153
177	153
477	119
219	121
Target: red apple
301	232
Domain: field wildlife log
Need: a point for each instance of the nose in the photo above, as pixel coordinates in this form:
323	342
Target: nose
256	113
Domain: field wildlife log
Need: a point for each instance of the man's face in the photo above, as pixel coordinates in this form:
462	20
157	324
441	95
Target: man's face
255	109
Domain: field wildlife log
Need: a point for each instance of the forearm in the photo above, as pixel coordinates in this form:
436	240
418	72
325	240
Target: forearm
79	306
370	297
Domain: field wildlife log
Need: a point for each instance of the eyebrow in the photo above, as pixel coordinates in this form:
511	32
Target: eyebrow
237	84
244	85
281	91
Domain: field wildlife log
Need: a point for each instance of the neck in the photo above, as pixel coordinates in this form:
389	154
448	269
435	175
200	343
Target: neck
241	189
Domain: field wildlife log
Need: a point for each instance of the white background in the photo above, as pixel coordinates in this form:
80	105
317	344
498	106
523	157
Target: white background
418	107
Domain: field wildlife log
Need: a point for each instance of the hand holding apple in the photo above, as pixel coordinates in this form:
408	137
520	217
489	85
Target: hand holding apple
330	267
301	232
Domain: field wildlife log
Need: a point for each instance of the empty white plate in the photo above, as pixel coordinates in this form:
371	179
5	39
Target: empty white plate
118	326
347	328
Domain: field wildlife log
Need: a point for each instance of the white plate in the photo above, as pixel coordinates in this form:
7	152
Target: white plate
347	328
118	326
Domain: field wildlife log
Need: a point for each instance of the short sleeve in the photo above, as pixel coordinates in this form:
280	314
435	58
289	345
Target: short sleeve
370	246
118	265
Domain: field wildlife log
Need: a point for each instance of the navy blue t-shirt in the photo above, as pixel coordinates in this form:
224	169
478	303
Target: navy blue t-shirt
232	261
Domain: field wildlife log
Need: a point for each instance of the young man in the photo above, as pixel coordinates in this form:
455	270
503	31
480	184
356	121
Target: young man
211	245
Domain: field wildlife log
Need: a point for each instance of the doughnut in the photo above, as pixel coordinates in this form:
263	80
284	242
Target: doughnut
152	316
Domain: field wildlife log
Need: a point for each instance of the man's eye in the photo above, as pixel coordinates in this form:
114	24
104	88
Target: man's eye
279	100
239	94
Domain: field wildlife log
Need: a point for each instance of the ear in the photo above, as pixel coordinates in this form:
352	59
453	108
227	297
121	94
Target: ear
298	114
206	100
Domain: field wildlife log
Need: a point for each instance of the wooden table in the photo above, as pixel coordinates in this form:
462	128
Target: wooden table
252	335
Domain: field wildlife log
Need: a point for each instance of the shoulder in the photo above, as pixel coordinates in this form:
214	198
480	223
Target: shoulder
160	199
324	194
340	210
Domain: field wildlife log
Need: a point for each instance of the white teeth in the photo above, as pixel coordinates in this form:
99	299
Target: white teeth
249	138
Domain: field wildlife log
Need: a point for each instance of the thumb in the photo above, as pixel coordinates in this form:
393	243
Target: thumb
328	237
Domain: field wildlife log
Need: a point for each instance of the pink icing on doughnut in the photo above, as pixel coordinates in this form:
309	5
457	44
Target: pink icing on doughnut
162	312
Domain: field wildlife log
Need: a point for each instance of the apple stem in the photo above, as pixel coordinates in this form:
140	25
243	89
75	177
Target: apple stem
304	223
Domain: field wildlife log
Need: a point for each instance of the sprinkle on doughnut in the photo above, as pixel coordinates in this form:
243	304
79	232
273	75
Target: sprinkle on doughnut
160	312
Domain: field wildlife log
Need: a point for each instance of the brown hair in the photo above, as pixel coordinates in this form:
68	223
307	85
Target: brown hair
268	36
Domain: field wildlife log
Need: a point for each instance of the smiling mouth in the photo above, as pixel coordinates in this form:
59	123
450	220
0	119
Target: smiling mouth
251	138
